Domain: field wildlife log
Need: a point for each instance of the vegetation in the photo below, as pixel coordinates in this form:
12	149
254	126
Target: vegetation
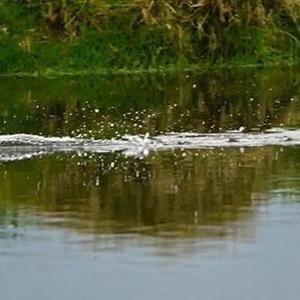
47	36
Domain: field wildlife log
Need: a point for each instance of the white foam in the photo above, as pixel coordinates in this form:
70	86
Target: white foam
22	146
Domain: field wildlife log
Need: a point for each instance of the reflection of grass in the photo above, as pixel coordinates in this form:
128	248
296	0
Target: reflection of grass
103	107
54	37
169	195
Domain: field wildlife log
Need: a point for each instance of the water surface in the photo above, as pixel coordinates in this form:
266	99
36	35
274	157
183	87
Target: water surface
151	188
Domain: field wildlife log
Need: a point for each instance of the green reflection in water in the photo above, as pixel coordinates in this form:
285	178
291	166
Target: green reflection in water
177	194
112	106
181	194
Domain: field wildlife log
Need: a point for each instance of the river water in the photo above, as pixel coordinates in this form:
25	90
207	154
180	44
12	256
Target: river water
184	186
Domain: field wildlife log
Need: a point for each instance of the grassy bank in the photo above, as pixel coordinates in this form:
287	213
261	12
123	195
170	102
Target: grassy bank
53	37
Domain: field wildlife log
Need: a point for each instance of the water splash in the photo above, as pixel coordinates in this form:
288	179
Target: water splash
23	146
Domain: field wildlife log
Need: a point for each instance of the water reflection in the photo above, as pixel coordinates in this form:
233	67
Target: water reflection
112	106
174	196
219	223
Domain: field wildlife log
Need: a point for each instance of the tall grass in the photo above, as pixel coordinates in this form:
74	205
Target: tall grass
151	33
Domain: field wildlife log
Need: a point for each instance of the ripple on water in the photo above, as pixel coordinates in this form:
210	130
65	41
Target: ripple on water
23	146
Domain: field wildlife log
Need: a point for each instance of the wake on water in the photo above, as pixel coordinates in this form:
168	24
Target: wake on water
23	146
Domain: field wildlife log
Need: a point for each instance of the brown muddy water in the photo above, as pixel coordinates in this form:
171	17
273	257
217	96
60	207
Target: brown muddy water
120	209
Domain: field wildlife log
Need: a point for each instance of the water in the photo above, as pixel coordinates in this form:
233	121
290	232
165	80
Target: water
184	186
24	146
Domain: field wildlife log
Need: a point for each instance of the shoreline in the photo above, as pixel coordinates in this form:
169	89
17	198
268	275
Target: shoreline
200	69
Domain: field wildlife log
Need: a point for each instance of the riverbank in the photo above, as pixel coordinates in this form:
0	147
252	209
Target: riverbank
53	38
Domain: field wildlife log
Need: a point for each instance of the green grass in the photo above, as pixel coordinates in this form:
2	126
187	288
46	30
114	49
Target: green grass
67	37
